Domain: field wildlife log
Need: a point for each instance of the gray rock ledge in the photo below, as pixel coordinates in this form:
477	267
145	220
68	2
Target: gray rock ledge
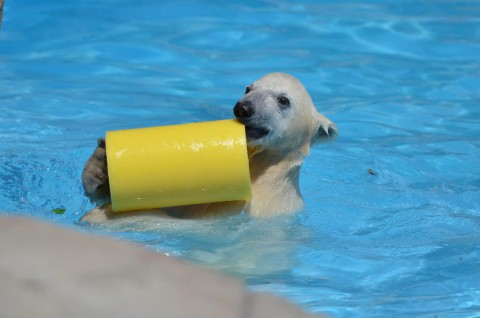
47	271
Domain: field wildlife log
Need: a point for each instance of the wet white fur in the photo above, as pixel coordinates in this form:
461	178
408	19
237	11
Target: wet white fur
275	160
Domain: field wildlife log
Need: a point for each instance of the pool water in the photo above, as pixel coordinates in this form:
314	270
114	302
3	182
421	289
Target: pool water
392	222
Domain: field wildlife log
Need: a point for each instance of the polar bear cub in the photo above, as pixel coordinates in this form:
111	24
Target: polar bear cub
281	124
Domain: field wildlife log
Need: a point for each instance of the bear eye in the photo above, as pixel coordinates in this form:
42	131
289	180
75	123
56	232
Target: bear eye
283	101
248	89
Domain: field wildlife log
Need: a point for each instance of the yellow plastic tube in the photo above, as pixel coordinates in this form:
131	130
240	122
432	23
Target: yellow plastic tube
178	165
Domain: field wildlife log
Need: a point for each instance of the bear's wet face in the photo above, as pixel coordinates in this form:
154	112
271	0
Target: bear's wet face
279	115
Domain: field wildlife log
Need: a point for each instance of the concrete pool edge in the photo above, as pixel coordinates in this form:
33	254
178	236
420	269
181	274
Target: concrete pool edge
48	271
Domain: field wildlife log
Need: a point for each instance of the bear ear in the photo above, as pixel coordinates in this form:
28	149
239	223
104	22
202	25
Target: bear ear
326	130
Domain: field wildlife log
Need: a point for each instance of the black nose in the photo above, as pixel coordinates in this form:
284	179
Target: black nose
243	109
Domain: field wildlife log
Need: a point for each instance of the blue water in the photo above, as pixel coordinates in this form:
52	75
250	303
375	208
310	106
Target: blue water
399	78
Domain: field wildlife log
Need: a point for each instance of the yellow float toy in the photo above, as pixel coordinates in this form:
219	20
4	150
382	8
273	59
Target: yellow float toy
178	165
